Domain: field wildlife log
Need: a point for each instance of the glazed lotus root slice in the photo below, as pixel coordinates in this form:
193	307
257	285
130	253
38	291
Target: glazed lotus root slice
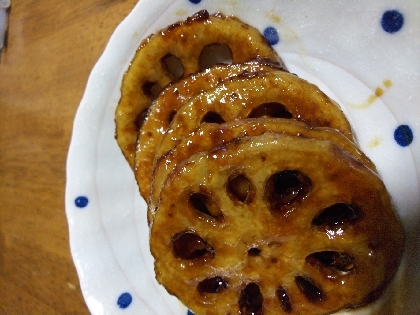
274	224
273	94
210	135
174	53
171	99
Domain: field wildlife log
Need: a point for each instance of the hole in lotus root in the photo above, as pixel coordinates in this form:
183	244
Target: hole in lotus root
239	187
341	262
205	207
284	299
212	285
336	216
212	117
285	189
171	116
151	89
272	109
141	118
309	289
251	300
254	251
173	66
188	245
214	54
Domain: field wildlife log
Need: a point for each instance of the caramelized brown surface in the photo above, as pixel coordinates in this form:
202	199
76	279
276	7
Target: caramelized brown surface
274	224
169	101
175	52
274	94
210	135
259	202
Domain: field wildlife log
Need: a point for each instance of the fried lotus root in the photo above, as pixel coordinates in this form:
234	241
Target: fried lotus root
171	99
174	53
275	224
272	94
210	135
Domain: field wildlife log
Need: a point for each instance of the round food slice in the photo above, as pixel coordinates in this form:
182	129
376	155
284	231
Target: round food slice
171	99
273	94
275	224
210	135
175	52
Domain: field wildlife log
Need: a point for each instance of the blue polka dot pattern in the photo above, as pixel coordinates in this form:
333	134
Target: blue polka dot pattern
195	1
81	202
270	33
124	300
190	313
403	135
392	21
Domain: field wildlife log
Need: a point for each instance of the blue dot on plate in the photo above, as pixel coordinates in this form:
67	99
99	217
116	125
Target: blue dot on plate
124	300
190	313
403	135
195	1
271	35
392	21
81	202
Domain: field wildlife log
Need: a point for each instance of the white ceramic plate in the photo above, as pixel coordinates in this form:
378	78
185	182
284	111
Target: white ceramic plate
364	54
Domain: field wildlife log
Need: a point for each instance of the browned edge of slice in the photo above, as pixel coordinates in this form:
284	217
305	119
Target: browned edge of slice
327	239
210	135
270	94
174	53
165	106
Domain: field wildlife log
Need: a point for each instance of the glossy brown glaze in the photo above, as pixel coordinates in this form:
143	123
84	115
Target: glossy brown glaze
182	42
239	96
207	136
304	261
171	99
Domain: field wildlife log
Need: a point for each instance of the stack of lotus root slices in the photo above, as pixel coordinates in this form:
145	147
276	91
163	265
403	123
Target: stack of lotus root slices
259	200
